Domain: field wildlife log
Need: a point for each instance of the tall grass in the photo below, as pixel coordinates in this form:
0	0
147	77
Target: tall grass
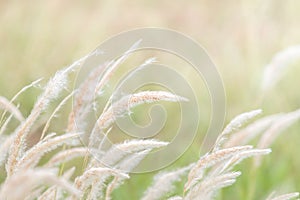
103	171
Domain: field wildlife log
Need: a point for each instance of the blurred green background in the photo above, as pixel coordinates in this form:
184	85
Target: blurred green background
39	37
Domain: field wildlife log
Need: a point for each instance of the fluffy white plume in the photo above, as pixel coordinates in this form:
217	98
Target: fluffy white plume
119	151
23	182
278	65
288	196
163	183
206	188
234	125
209	160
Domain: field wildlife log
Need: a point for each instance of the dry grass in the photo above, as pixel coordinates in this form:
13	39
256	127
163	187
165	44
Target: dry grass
102	174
